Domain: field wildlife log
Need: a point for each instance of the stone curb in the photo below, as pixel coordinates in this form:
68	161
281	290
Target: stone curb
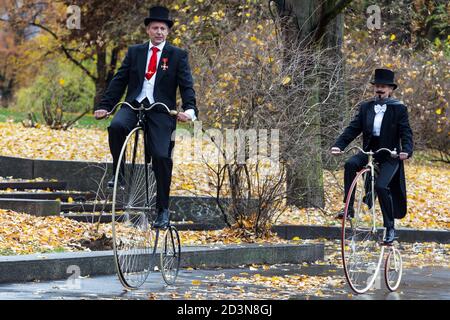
39	208
331	233
58	266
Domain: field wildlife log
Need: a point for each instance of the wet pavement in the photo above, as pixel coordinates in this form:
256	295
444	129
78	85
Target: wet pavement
417	283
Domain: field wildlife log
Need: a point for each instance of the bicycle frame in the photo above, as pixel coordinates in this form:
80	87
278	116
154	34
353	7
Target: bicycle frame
141	123
371	166
371	228
133	168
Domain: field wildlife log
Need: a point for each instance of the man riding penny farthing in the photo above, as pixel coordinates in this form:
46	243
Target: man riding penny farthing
141	144
376	171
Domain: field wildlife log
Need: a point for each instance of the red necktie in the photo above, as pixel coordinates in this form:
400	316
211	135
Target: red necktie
152	65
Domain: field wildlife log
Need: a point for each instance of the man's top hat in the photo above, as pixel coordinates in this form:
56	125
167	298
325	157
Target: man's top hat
158	13
384	76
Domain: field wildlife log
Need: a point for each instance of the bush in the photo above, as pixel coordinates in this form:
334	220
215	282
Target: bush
60	81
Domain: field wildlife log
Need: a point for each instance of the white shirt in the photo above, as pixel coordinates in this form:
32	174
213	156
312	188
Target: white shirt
148	86
377	121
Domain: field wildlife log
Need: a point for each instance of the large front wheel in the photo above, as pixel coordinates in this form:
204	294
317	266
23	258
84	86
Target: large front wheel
133	202
361	236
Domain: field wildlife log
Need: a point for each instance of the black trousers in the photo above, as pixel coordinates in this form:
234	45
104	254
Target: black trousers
160	127
388	167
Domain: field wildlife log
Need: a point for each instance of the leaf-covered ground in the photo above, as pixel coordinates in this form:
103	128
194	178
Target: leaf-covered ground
26	234
427	184
22	233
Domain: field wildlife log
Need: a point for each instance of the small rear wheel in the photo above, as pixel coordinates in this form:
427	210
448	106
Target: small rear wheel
393	269
170	255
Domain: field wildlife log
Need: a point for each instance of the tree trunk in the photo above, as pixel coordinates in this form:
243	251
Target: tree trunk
334	106
6	92
105	72
304	175
314	24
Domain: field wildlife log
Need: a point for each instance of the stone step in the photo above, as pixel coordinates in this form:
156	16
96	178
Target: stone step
89	217
63	195
33	207
33	185
107	218
86	207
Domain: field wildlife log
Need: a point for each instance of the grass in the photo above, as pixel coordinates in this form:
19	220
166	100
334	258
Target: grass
9	252
87	122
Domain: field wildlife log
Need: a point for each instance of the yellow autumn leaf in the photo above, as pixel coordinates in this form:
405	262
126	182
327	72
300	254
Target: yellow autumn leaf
176	41
70	200
286	81
438	111
196	282
392	38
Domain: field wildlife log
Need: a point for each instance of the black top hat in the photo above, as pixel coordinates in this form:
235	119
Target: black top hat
384	76
158	13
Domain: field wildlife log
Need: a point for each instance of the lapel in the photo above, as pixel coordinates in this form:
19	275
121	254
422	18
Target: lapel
142	57
370	118
165	54
387	119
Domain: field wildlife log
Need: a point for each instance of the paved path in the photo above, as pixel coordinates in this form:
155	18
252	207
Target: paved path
425	283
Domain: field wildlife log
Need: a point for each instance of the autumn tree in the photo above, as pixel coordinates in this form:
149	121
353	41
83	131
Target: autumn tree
12	35
315	25
106	28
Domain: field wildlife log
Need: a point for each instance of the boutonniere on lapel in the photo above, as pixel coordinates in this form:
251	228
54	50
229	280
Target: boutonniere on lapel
164	65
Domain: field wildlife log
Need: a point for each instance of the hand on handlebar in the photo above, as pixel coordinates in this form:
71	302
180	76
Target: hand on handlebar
336	151
183	117
101	114
403	156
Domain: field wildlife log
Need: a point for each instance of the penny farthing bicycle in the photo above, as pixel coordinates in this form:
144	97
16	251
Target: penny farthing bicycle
135	242
362	246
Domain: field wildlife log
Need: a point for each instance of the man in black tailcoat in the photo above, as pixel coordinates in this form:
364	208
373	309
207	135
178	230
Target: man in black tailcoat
384	123
151	72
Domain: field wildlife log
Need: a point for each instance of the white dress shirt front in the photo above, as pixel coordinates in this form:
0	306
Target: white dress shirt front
149	85
378	120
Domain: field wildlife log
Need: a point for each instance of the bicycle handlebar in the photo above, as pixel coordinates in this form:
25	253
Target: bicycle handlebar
171	112
393	153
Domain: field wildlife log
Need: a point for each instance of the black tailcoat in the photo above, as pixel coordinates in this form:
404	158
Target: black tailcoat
395	133
131	74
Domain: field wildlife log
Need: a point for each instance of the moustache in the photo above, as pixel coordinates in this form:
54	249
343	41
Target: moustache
380	92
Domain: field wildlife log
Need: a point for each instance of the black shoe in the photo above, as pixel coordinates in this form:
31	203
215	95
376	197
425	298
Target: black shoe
390	236
340	214
111	182
162	221
367	199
